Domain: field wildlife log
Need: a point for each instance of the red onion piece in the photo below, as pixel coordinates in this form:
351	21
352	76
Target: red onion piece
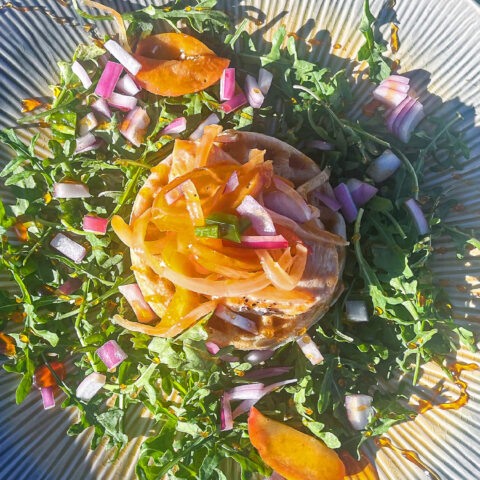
254	94
48	397
212	119
260	218
70	286
348	206
409	122
361	192
122	102
86	143
135	125
239	100
258	356
268	242
68	247
235	319
394	85
127	60
326	195
266	373
384	166
251	391
108	80
392	115
212	348
396	78
90	386
95	224
359	410
178	125
320	145
264	80
101	106
356	311
87	123
173	195
388	96
418	217
70	190
310	349
81	73
232	183
135	298
227	84
226	414
246	405
127	86
111	354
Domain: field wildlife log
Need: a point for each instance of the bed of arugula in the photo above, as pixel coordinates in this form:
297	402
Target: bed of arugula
387	264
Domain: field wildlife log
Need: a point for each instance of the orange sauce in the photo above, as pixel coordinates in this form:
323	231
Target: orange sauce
45	11
337	46
410	455
394	38
361	469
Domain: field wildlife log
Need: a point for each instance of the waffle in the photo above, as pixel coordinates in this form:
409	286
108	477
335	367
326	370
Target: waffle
278	319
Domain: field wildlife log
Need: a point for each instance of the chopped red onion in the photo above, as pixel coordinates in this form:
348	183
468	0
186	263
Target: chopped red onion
320	145
212	119
178	125
239	100
70	286
396	78
101	106
173	195
340	228
258	356
111	354
264	80
82	74
261	220
356	311
87	123
392	114
70	190
226	414
127	60
254	94
246	405
268	242
232	183
388	96
135	125
394	85
359	410
408	122
108	80
135	298
90	386
68	247
310	349
95	224
251	391
349	209
361	192
212	348
417	216
122	102
326	195
235	319
266	373
384	166
227	84
48	397
85	143
127	86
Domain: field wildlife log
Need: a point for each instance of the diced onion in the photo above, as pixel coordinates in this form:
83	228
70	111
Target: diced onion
227	84
178	125
389	96
111	354
326	195
384	166
81	73
127	60
48	397
418	216
68	247
95	224
254	94
70	190
90	386
135	125
266	373
258	215
361	192
356	311
86	143
394	85
267	242
212	347
239	100
235	319
349	209
232	183
408	122
310	349
359	410
135	298
70	286
258	356
127	85
108	80
251	391
101	106
391	115
226	414
212	119
87	123
264	80
122	102
396	78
